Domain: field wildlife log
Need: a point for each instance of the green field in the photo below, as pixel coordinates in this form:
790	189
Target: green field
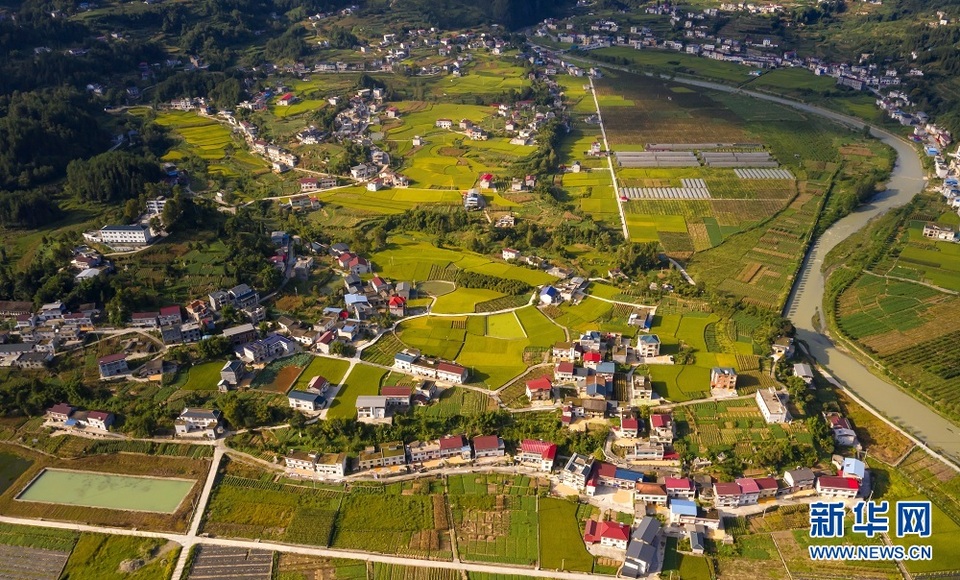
203	377
98	557
492	360
561	542
463	300
395	524
495	518
11	467
107	490
331	369
363	380
505	325
684	565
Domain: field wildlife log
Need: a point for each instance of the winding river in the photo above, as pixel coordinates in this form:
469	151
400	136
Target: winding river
806	297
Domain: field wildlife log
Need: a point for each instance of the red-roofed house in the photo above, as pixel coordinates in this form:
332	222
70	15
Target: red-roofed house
661	428
486	180
170	315
144	319
563	372
113	365
379	284
309	184
726	495
452	373
396	396
287	100
538	453
397	305
749	491
610	534
60	412
539	389
454	445
592	359
768	486
629	427
829	486
99	420
488	446
680	487
358	265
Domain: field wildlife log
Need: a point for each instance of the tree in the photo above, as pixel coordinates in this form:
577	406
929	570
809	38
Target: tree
118	308
214	347
343	349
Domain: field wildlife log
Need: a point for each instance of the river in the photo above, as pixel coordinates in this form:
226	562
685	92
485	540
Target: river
806	298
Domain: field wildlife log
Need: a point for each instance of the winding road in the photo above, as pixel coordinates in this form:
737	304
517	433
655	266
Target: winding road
924	425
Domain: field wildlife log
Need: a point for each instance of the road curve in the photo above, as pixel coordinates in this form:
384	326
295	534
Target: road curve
806	298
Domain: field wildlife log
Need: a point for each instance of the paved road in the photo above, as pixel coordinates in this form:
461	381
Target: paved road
806	298
188	542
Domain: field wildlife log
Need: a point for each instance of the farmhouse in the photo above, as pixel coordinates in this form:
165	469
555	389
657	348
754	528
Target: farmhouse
510	254
305	400
650	493
839	487
726	495
488	446
641	389
198	423
803	371
539	389
537	453
453	446
771	406
610	534
113	365
723	380
642	556
629	426
938	232
396	396
444	123
60	412
843	433
372	409
783	347
680	488
567	351
577	471
648	346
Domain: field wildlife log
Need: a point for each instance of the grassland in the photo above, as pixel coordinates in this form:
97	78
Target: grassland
203	377
685	565
332	369
737	423
11	468
362	380
279	375
412	257
561	542
493	360
456	401
99	557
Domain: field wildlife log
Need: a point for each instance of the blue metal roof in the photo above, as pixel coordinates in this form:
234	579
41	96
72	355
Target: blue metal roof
549	291
627	475
854	467
607	368
404	357
649	339
683	507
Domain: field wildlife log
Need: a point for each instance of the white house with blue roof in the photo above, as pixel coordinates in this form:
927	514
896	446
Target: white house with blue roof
549	295
648	346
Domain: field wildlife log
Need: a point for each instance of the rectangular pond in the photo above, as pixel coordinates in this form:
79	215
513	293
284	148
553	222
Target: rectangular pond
107	490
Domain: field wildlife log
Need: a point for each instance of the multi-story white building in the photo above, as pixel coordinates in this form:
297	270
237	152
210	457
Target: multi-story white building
136	234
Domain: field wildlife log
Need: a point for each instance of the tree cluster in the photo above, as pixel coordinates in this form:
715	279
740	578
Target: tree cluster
110	177
485	281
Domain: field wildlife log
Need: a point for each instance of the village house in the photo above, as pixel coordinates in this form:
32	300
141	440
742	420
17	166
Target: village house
372	409
540	389
510	254
838	487
803	371
726	495
680	488
937	232
203	423
537	453
577	471
455	446
444	124
783	347
388	455
649	493
800	478
113	365
488	446
60	412
629	426
642	557
661	428
648	451
771	406
648	346
641	390
420	451
240	334
608	534
843	433
723	380
305	400
232	372
396	396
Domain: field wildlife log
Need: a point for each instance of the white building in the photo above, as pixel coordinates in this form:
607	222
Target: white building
125	235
